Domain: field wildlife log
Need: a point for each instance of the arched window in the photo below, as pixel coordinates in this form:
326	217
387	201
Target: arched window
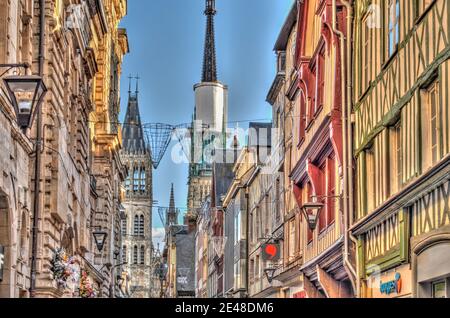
143	181
141	225
136	225
302	114
124	227
135	255
124	254
136	180
142	255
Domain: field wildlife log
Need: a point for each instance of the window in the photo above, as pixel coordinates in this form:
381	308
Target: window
256	231
395	159
141	225
267	215
422	6
430	126
257	268
331	184
237	227
438	289
370	180
128	183
124	227
322	214
303	116
124	254
366	53
433	97
328	183
309	194
277	201
292	239
320	81
237	275
143	180
393	26
135	255
252	270
250	228
136	225
312	104
136	180
23	236
142	255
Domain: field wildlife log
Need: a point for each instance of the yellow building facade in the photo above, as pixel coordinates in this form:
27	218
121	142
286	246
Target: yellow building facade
80	171
401	146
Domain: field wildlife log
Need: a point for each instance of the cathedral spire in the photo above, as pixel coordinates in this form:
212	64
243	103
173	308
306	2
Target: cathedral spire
133	135
209	58
172	212
172	200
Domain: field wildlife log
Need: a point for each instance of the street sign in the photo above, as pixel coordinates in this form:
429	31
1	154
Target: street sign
271	252
2	261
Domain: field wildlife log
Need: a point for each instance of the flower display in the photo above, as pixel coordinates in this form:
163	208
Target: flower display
65	269
86	289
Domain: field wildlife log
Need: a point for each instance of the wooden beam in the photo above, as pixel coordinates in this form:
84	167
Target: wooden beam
332	287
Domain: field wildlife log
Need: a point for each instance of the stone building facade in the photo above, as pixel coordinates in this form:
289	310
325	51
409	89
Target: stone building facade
80	171
137	224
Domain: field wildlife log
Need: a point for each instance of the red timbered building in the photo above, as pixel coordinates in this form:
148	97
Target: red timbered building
318	173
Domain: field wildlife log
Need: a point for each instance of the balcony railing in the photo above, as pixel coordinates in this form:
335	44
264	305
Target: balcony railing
322	242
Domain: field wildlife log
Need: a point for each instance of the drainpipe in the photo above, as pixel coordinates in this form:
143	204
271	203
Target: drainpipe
346	133
37	151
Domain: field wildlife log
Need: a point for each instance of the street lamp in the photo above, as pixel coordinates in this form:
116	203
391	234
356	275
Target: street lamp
100	238
270	273
26	93
311	212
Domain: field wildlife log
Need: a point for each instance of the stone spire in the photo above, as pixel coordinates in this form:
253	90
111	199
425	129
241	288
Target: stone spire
172	211
172	200
209	57
133	134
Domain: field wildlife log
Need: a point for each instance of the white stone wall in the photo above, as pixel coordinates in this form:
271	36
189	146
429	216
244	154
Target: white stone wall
211	102
15	207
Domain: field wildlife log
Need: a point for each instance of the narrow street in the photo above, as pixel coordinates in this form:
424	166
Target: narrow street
225	149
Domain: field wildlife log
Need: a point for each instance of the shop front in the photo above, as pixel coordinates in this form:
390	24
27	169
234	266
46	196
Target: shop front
384	270
407	253
430	243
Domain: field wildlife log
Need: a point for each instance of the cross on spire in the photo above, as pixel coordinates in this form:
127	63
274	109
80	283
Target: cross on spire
137	78
129	84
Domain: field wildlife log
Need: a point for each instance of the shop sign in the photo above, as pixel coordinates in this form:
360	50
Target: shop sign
271	252
2	261
394	286
301	294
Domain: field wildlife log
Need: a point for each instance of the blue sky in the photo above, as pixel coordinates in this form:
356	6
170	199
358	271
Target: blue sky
166	42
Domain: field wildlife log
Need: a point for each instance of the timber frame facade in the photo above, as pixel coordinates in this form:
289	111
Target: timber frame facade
402	146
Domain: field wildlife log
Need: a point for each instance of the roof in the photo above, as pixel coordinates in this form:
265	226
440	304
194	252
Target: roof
283	37
133	135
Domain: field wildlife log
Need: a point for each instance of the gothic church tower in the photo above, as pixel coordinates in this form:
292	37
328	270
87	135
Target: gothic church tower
137	226
210	120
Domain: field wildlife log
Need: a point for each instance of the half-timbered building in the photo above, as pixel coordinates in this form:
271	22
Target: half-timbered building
316	87
401	147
